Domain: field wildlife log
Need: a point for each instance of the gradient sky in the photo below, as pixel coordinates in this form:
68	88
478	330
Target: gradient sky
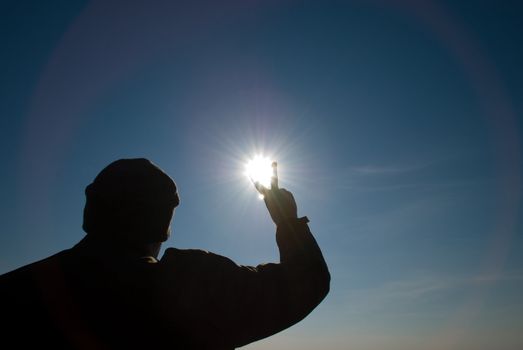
397	125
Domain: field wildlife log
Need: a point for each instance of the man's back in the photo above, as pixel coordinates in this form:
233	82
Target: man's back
84	298
110	292
75	300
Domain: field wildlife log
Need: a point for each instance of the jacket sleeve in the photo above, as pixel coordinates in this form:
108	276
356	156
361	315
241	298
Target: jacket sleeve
242	304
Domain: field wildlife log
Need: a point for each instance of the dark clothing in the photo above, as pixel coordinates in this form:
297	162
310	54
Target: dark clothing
84	298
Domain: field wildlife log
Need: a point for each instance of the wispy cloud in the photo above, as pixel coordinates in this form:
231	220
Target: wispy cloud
398	167
358	186
493	277
373	169
422	289
438	173
407	293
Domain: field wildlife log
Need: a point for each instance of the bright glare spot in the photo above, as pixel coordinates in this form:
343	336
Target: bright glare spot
259	169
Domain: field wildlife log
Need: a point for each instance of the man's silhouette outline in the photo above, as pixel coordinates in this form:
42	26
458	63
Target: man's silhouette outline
109	291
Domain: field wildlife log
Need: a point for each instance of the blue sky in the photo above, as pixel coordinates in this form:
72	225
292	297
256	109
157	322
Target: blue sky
397	125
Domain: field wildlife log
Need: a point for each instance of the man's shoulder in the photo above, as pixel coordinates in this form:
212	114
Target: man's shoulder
195	259
171	251
22	288
34	266
193	254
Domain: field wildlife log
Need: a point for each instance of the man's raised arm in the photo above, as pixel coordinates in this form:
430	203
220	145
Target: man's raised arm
232	305
284	293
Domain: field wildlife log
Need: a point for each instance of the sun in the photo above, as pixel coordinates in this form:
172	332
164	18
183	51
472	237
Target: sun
259	169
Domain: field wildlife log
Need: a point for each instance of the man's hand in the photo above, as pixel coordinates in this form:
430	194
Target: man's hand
279	201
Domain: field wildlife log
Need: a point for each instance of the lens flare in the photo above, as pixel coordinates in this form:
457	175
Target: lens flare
259	169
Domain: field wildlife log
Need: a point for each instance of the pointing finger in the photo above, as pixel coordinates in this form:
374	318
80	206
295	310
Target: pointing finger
274	177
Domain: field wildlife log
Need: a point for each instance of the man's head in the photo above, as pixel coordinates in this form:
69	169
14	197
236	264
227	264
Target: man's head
131	200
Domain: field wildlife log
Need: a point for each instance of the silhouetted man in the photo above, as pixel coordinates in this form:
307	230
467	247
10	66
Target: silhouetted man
109	291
